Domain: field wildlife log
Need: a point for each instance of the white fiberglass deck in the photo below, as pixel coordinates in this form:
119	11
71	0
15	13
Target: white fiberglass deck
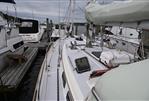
61	60
82	81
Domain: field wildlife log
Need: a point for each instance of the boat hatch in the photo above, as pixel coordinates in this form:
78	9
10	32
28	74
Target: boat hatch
82	65
97	54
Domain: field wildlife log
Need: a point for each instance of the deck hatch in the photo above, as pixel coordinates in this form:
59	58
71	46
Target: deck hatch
97	54
82	65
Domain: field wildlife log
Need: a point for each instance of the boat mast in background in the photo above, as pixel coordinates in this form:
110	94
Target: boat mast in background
59	17
32	14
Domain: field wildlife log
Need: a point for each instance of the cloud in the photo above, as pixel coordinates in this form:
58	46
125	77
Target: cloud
46	8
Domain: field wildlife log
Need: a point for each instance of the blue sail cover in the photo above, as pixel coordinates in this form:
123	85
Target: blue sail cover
8	1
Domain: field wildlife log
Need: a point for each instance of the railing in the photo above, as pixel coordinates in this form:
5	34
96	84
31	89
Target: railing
95	94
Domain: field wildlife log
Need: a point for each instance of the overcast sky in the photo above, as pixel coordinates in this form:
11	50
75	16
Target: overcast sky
42	9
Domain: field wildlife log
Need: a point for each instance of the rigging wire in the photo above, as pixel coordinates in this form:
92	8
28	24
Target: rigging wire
70	12
67	12
14	5
59	18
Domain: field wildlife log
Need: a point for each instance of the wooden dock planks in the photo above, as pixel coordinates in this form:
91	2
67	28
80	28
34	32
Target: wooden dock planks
12	76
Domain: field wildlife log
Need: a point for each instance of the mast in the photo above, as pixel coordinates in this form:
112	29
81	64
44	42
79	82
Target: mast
59	19
73	13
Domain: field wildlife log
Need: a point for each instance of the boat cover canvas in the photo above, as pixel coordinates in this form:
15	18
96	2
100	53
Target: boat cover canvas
32	28
125	83
127	11
114	57
8	1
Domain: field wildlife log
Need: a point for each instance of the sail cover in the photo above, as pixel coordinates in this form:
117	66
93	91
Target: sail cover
128	11
8	1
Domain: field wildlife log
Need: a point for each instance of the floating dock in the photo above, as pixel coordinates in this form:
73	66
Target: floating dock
12	75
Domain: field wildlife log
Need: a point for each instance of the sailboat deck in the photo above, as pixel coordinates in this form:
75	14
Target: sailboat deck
84	77
83	80
60	60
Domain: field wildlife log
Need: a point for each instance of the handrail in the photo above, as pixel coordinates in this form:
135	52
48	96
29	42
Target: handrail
95	94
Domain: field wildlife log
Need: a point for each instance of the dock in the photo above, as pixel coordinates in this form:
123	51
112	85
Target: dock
17	82
12	75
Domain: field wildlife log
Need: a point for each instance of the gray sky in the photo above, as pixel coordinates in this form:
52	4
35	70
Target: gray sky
42	9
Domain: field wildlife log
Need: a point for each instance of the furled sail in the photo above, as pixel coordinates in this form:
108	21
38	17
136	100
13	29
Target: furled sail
131	11
8	1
